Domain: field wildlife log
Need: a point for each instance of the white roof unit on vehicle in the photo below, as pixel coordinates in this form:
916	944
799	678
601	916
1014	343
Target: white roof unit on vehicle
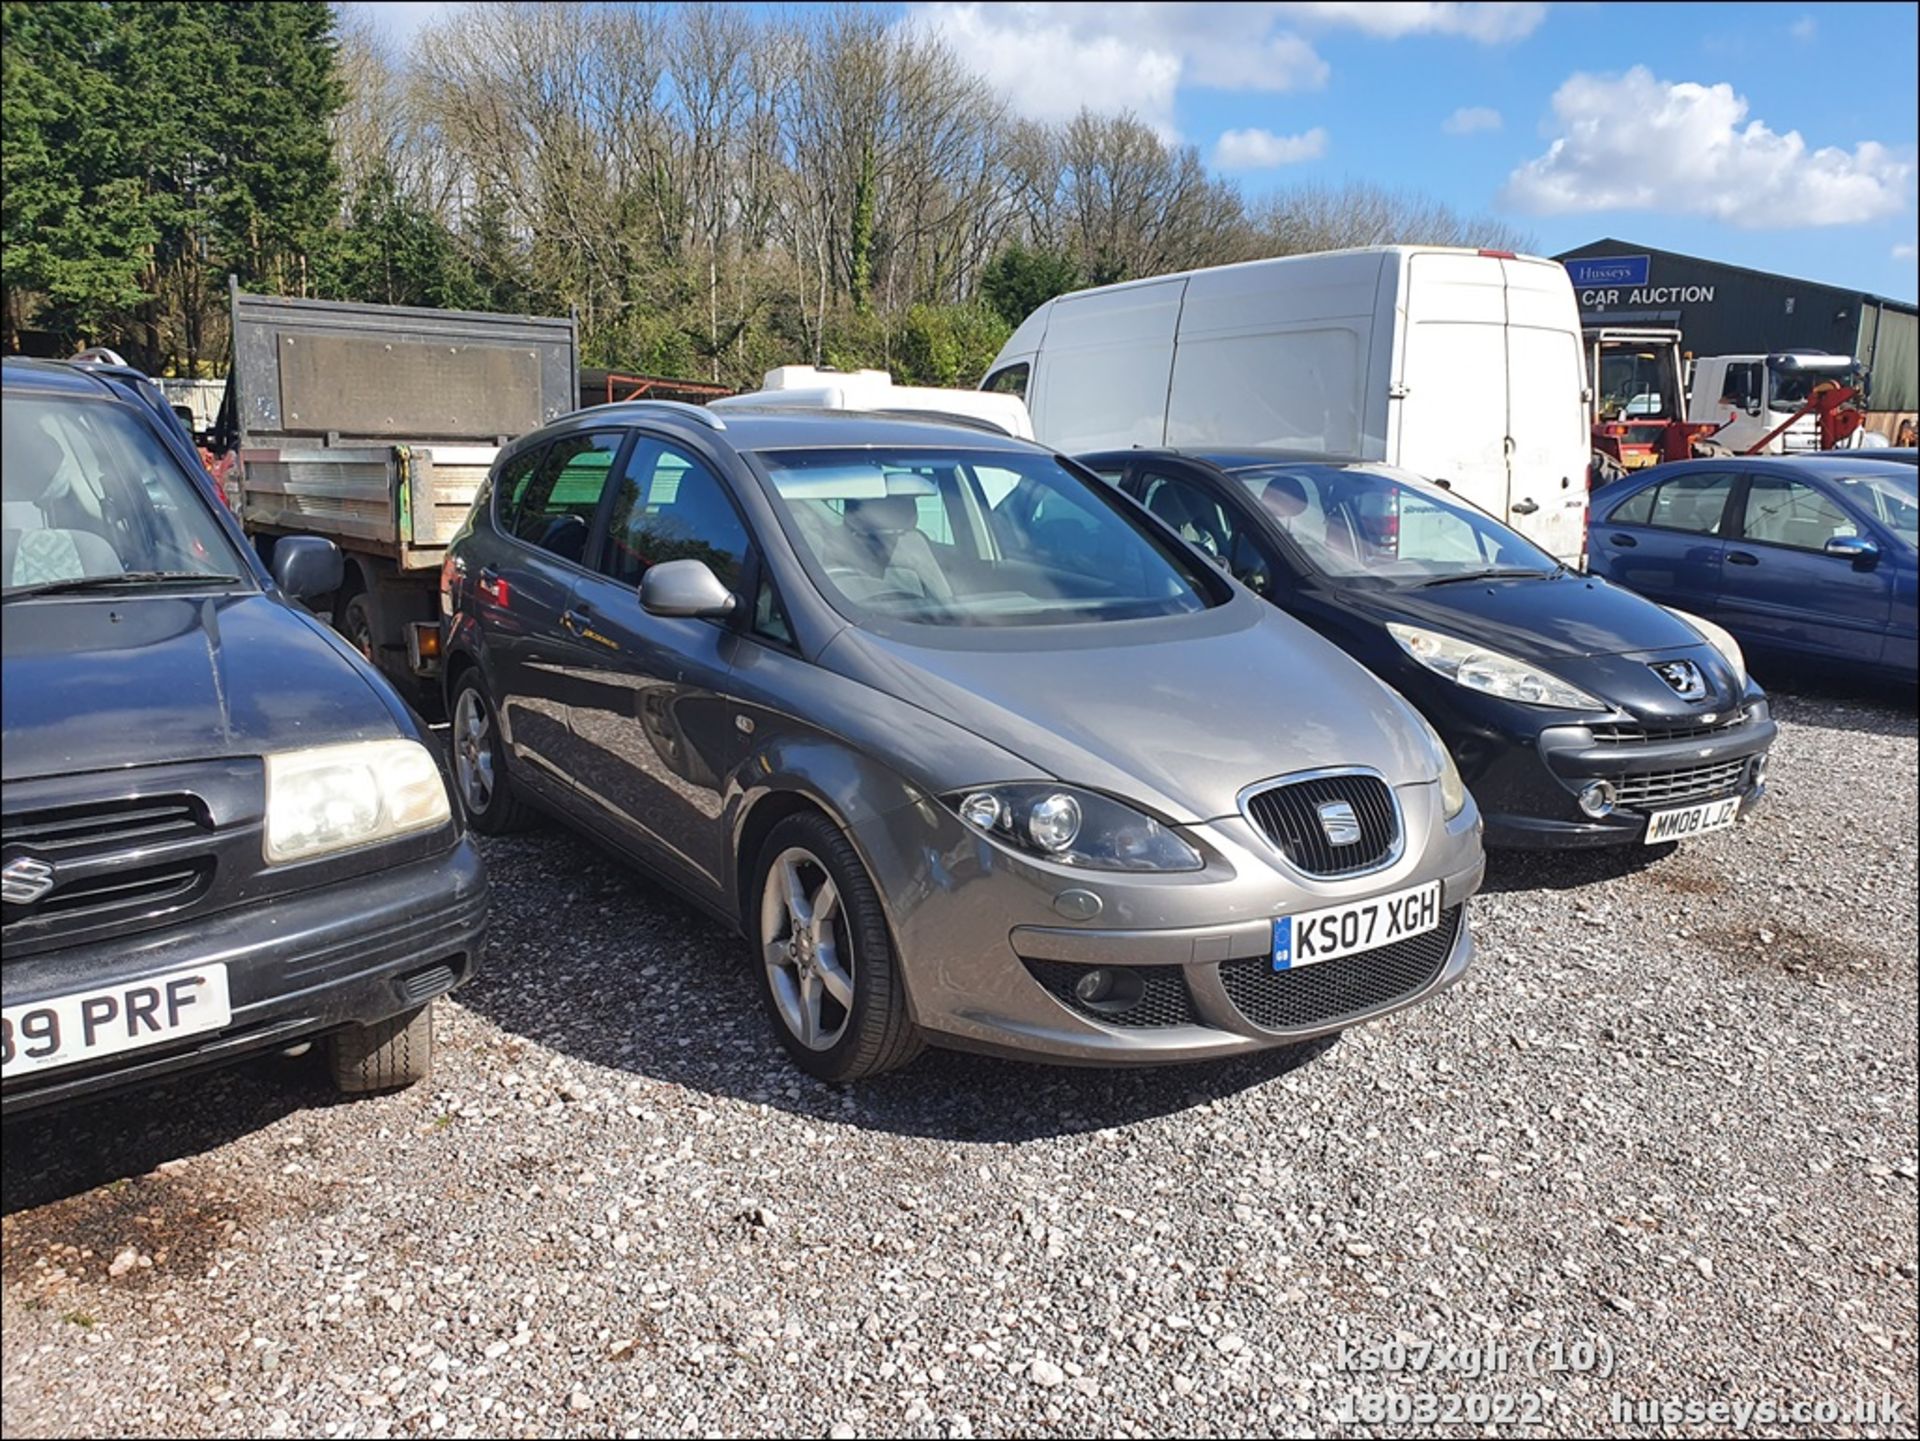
810	387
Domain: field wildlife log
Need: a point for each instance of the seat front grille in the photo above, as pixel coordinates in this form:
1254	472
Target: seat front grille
1343	990
1290	813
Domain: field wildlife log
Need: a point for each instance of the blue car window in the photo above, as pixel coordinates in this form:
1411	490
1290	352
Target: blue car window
1788	512
1693	503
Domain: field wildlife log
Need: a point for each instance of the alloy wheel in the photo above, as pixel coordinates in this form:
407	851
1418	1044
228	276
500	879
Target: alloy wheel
805	947
473	750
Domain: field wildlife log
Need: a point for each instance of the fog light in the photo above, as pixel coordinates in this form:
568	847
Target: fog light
1596	798
1094	986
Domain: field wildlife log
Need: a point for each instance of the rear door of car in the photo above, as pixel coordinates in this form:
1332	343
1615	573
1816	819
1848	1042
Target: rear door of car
544	515
1780	588
1667	540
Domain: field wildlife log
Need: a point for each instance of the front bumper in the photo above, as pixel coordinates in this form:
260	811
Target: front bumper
348	953
1530	792
988	942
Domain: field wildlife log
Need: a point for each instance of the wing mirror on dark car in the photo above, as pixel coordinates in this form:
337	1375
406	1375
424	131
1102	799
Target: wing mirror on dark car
1859	549
307	566
685	588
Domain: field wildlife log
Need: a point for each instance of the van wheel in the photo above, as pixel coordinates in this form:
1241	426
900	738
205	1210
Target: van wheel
480	763
385	1056
826	965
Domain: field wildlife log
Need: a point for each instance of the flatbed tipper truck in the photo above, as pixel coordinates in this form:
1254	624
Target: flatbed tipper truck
374	426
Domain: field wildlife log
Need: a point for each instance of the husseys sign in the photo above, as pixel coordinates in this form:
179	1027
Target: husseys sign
1611	280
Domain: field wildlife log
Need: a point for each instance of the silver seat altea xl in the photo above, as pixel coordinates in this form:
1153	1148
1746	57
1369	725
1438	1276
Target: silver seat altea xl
970	748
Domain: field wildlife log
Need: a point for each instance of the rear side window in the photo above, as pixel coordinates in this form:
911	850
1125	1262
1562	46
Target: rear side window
553	506
669	506
1691	503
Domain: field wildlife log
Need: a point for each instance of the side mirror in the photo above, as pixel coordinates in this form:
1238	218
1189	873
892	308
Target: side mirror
685	588
307	566
1859	549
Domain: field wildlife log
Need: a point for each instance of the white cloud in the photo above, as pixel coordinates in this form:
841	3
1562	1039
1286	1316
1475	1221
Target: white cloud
1263	150
1634	142
1805	28
1490	24
1471	118
395	22
1050	59
1904	252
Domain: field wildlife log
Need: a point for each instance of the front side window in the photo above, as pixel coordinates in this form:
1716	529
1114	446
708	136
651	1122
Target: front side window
1202	521
1009	380
554	506
975	538
1789	512
669	506
1372	522
90	491
1889	499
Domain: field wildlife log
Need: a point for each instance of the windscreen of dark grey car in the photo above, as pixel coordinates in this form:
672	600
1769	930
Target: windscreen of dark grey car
976	538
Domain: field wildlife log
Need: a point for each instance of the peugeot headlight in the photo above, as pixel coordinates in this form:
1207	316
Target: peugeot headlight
1718	638
1489	671
1073	827
333	798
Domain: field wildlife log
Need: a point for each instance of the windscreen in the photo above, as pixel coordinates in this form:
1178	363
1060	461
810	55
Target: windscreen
92	491
1372	522
1890	499
1793	388
975	538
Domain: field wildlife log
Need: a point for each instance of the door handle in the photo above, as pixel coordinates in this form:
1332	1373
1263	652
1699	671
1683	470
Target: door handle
1626	541
576	618
1742	557
1526	506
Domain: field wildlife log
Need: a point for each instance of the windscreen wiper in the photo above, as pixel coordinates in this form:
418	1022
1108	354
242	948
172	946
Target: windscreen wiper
1494	575
78	583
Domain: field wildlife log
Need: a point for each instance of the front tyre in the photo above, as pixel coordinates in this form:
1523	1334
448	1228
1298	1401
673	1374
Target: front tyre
824	956
385	1056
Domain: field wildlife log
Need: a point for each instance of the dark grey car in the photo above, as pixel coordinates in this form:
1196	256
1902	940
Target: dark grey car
970	749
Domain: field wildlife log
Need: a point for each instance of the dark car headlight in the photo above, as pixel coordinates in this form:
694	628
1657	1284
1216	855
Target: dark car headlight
1490	672
1073	827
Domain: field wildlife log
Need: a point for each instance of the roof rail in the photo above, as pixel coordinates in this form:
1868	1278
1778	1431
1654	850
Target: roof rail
676	407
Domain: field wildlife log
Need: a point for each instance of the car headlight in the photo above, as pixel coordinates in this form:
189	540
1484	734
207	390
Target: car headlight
333	798
1489	671
1718	638
1073	827
1453	790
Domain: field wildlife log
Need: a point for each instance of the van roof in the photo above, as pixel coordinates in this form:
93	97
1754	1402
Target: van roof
1304	257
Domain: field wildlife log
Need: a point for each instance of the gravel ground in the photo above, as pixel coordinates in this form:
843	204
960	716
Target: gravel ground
1670	1113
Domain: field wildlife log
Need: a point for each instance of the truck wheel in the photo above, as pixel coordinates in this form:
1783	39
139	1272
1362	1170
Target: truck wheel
480	763
385	1056
357	625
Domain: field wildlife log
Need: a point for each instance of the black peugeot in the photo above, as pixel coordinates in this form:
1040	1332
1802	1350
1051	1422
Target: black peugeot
1579	713
223	830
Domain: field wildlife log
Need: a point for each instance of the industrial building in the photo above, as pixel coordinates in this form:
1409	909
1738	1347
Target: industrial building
1730	310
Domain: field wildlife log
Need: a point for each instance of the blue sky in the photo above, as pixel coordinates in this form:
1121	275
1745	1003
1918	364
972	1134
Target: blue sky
1781	137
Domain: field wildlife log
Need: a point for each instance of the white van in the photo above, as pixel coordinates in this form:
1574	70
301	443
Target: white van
807	387
1461	365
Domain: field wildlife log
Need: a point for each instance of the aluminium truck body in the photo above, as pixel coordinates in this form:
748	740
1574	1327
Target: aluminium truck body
374	426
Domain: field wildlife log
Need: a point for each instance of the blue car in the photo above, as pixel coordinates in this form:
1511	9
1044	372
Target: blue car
1808	560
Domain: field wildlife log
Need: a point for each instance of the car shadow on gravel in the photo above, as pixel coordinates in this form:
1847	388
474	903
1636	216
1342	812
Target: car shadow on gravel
1840	704
1565	870
636	981
67	1150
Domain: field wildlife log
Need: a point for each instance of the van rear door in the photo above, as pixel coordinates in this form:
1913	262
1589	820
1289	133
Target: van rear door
1453	377
1550	441
1490	385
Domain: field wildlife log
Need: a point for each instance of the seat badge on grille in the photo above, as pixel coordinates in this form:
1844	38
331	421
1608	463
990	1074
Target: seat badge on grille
1341	825
24	880
1684	676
